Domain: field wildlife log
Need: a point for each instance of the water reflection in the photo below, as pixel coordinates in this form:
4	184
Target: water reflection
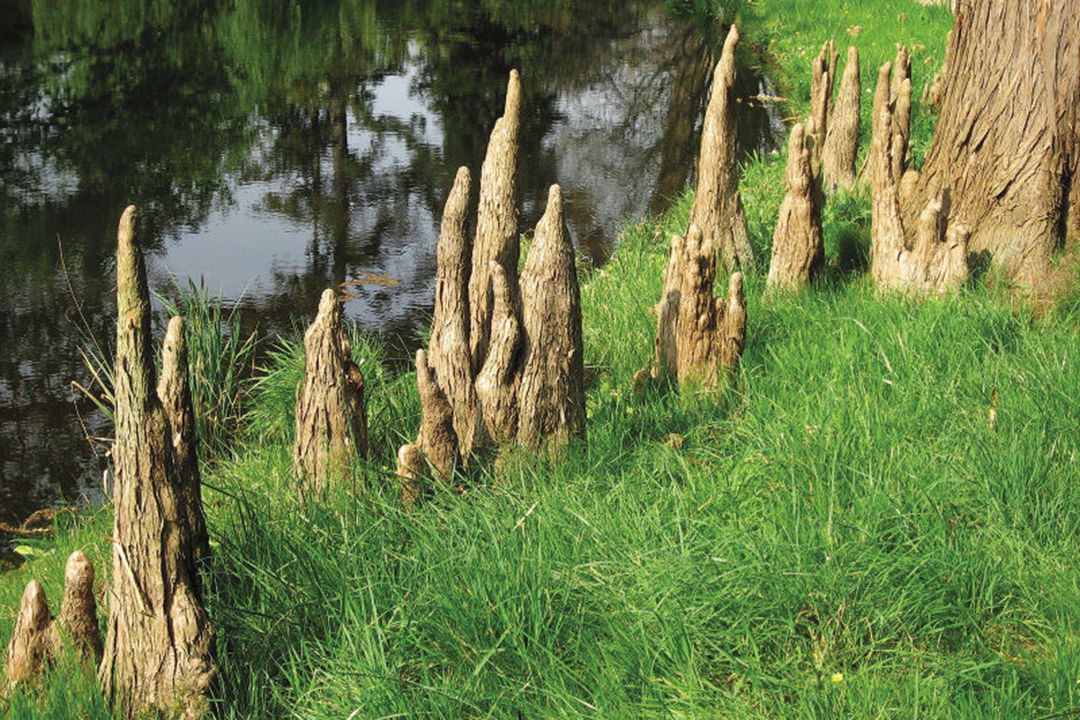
279	147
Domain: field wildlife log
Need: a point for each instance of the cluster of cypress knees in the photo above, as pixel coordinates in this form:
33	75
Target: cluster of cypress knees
503	366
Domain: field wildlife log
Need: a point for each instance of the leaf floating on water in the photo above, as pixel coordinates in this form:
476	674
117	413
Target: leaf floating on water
349	287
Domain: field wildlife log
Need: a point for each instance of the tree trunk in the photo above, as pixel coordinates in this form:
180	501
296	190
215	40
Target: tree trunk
331	425
1007	143
717	210
159	649
798	250
842	140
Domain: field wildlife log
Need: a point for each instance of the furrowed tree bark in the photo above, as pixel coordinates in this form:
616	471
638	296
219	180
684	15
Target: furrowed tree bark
78	612
798	251
822	77
717	208
175	393
551	394
938	260
331	424
497	383
436	440
496	221
30	648
450	360
37	638
158	653
1005	149
842	140
504	363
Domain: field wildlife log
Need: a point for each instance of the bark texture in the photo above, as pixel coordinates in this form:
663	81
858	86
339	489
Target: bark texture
551	395
449	353
822	77
158	652
78	613
717	210
38	638
31	644
842	140
496	221
937	262
699	338
331	424
529	388
798	250
1007	141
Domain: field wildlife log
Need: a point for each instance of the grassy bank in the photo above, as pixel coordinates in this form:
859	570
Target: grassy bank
846	533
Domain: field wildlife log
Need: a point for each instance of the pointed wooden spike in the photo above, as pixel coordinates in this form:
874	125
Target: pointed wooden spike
842	139
798	249
717	208
174	391
496	221
449	345
331	426
551	396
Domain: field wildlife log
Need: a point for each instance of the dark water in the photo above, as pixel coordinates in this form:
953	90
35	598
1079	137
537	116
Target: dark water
276	148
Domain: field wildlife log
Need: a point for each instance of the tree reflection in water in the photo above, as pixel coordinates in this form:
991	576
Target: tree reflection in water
277	148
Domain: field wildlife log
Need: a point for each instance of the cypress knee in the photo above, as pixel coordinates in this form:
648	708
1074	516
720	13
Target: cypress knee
496	221
842	139
717	208
551	395
158	654
331	425
798	250
937	261
30	646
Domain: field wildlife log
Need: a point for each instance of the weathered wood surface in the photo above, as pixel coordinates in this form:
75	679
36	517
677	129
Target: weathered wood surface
331	422
798	250
158	654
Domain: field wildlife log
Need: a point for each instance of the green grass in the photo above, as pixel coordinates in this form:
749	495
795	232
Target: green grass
842	534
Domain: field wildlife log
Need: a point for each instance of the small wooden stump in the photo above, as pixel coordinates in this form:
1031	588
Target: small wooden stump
331	425
158	655
38	638
717	210
798	250
842	140
938	260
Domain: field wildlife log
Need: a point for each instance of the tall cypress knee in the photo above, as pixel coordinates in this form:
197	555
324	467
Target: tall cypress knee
551	395
331	424
159	648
